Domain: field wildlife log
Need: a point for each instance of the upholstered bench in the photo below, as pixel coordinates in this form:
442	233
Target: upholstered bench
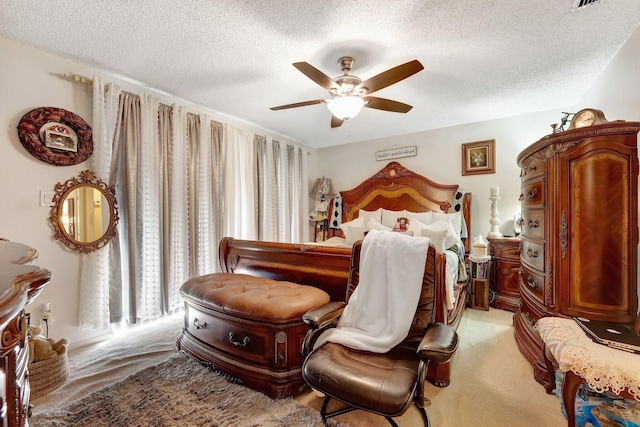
250	328
582	361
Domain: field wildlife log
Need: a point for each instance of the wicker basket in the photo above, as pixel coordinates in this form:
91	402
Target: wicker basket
48	375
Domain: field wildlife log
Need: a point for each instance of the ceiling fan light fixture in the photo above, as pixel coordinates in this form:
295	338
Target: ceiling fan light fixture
345	107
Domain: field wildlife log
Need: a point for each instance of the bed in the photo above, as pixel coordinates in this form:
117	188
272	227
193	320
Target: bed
325	265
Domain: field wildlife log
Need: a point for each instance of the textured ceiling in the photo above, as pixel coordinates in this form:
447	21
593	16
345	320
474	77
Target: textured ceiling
483	60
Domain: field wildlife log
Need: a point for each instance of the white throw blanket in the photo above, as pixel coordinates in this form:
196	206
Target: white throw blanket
380	311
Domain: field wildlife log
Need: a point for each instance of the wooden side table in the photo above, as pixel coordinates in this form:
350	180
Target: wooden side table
479	297
320	230
505	269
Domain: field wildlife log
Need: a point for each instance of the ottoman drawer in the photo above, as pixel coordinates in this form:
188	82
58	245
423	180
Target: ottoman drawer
249	341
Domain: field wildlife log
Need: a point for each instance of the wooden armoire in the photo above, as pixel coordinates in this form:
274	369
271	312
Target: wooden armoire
579	199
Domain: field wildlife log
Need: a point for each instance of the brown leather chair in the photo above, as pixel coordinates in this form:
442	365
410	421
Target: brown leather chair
382	383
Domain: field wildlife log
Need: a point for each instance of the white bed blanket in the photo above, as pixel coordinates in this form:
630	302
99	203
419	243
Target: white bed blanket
380	311
451	267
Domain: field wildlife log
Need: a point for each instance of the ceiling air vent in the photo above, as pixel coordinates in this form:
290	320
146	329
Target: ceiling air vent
581	4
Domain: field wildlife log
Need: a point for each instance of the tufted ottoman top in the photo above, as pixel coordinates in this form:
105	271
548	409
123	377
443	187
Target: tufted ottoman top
255	297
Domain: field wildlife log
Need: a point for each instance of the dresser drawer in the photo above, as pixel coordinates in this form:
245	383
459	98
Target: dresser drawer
532	254
505	248
533	223
533	167
247	340
532	194
533	282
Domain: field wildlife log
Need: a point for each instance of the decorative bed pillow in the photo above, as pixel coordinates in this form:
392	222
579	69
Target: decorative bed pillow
390	218
354	234
372	224
437	237
451	237
358	222
365	215
455	219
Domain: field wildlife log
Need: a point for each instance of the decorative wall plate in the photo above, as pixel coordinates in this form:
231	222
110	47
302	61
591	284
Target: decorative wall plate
56	136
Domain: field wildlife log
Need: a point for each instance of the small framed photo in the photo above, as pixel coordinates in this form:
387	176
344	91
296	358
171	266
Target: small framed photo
479	157
60	141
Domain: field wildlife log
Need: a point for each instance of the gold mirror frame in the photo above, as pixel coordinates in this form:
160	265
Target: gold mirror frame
62	191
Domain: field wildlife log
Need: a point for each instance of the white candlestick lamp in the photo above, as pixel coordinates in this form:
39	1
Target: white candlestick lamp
495	219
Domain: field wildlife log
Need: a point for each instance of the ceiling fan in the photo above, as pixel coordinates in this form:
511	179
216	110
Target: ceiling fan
349	93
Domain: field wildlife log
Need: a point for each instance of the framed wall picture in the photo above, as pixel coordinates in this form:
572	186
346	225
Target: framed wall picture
479	157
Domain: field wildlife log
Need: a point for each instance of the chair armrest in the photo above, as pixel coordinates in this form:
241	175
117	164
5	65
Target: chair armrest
439	343
322	316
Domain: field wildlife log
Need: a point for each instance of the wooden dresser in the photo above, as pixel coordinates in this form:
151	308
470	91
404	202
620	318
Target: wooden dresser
20	283
505	269
580	230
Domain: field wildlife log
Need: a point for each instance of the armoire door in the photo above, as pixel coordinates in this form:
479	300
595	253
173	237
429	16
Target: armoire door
596	245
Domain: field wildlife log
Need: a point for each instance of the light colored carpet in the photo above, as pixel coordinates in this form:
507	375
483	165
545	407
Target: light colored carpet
492	383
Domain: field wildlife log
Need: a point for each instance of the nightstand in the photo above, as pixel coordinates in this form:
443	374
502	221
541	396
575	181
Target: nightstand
320	230
505	268
479	280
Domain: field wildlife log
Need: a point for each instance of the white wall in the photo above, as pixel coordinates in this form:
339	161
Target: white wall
616	92
29	79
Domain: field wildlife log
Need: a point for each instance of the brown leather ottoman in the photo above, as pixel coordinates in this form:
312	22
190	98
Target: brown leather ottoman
250	328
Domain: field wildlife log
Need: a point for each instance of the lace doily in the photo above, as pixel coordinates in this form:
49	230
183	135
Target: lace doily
602	368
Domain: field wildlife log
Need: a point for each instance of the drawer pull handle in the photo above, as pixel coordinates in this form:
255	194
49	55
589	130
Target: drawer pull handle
199	325
232	340
531	282
521	198
533	224
533	193
532	168
532	253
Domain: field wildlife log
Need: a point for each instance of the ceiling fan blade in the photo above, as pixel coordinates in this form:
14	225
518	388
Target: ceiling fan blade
386	104
336	122
299	104
391	76
316	75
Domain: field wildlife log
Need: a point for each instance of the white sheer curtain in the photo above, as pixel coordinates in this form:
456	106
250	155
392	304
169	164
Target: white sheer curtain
239	192
94	267
202	194
174	249
182	183
282	194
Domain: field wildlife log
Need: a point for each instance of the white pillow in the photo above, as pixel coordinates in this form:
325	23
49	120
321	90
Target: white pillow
437	237
389	218
354	234
416	226
372	224
423	217
365	215
455	219
358	222
451	237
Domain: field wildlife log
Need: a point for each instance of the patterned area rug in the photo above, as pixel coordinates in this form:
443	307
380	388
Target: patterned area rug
179	392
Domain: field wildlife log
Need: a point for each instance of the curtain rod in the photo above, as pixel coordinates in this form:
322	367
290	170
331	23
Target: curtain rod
78	79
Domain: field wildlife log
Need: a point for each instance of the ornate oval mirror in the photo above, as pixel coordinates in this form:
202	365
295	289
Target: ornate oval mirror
84	213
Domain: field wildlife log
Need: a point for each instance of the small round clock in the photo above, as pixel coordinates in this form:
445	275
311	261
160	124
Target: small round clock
587	117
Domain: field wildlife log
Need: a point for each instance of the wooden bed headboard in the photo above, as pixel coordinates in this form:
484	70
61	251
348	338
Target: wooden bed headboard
396	188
